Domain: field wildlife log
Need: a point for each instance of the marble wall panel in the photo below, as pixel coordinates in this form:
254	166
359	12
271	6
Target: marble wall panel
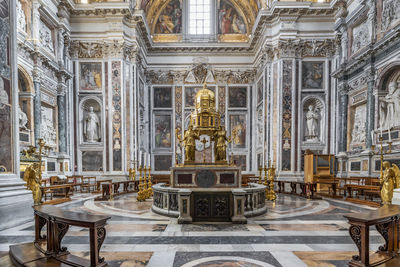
240	161
221	103
6	160
237	97
162	162
92	161
162	97
286	115
117	115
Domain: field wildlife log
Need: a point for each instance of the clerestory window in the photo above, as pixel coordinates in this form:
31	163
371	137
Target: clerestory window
199	17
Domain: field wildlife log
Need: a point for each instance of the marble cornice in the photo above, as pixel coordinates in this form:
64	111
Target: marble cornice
265	17
367	55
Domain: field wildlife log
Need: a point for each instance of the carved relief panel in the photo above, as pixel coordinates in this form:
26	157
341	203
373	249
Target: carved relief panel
360	37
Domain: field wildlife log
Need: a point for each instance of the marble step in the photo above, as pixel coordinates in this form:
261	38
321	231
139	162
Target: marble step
18	192
11	188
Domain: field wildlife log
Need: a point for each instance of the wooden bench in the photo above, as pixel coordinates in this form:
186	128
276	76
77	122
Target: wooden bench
76	181
360	189
386	221
89	184
306	189
111	189
47	250
53	190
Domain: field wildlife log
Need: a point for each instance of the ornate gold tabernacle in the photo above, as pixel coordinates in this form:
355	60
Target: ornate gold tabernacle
205	118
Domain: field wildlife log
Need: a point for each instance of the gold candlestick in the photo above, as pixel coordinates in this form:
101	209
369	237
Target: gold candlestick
140	196
149	184
260	175
271	193
265	180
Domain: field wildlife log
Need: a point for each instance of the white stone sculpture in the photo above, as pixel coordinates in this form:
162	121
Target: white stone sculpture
3	94
23	119
390	107
358	132
21	20
312	120
47	130
91	127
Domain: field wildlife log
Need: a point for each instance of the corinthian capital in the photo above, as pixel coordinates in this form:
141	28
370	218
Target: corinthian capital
343	89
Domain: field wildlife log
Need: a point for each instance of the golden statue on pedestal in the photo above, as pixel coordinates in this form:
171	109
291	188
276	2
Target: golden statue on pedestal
189	143
390	179
220	144
33	182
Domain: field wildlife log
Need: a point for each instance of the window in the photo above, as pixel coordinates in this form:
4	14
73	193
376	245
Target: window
199	17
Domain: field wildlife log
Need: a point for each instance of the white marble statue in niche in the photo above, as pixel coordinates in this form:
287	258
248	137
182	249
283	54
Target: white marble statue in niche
312	122
358	132
91	127
21	20
23	119
390	107
47	130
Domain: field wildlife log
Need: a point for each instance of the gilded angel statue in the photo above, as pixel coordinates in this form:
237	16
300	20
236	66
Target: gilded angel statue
33	182
397	175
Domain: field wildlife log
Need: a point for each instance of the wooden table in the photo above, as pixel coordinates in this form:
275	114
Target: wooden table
47	250
386	221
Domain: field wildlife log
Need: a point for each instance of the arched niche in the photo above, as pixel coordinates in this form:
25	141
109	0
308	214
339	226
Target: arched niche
91	121
388	100
313	117
25	111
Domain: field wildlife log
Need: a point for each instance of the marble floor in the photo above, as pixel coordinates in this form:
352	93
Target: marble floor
294	232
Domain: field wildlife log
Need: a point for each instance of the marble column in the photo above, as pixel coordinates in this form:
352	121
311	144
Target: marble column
344	99
37	107
370	123
62	143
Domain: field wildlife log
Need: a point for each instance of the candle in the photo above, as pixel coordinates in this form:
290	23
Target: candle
381	133
145	159
140	158
390	136
149	160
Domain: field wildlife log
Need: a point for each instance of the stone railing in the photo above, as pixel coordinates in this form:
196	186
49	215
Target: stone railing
176	202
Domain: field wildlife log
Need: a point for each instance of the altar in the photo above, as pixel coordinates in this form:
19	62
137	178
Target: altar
206	176
202	191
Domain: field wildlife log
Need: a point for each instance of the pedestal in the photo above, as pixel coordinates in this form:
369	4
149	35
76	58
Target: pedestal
15	203
396	196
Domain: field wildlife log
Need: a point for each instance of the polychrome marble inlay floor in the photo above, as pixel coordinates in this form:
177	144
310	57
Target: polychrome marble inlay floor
294	232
